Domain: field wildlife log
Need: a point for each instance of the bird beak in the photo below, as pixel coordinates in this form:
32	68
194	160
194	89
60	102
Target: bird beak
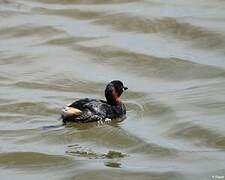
125	88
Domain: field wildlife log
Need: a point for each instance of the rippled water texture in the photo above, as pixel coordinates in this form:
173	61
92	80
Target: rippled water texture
171	55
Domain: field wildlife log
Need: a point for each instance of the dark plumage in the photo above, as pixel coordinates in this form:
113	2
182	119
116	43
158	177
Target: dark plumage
90	110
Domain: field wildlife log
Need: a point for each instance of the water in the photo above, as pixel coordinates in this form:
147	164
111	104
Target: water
169	53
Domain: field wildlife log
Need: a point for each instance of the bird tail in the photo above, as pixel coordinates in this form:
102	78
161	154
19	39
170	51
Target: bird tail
70	111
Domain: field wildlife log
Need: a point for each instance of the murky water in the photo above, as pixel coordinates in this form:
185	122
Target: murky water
171	55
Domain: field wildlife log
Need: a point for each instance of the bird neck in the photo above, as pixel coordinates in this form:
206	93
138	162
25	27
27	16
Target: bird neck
113	100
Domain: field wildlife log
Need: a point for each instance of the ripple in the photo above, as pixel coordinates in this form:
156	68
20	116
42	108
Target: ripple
68	41
28	108
71	13
31	159
64	85
126	174
80	152
28	30
14	60
182	30
150	66
87	1
199	135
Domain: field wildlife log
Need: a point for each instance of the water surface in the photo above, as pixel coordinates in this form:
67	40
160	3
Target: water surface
171	55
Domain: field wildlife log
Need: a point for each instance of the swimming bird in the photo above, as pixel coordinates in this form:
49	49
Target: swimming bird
90	110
